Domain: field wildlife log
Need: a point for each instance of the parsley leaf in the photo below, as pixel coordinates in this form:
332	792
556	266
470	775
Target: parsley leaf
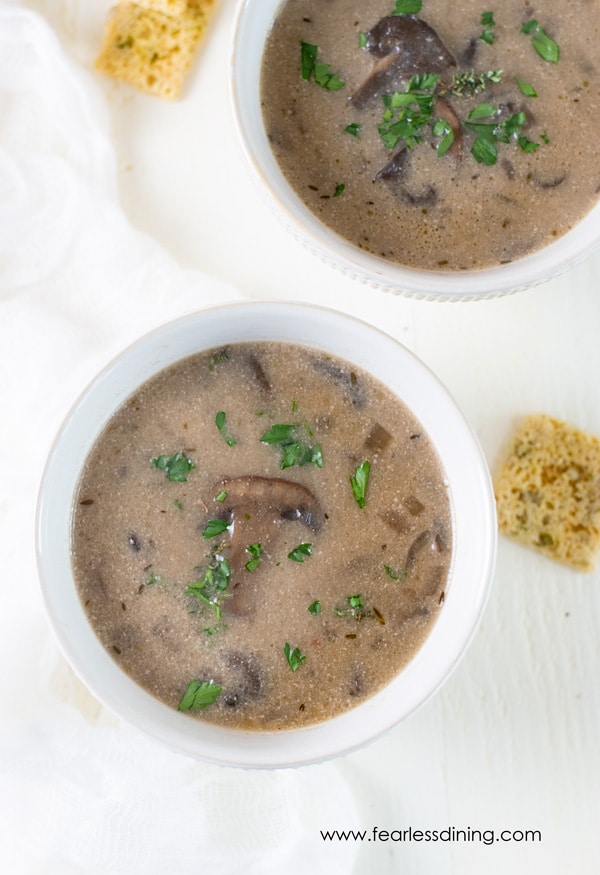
354	128
321	72
546	48
293	451
210	588
255	551
221	423
359	481
407	112
176	467
488	24
199	695
300	553
308	58
407	7
294	657
525	88
395	575
484	151
314	607
214	528
354	608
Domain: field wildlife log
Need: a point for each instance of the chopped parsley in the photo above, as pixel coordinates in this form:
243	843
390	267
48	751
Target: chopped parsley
255	551
541	42
489	134
359	482
221	423
300	553
395	575
314	608
339	189
176	467
407	113
211	588
488	24
525	88
294	656
199	695
407	7
354	608
294	451
222	495
354	128
443	130
154	578
311	68
214	528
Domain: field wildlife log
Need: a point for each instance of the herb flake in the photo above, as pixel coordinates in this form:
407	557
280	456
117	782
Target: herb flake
359	482
176	467
546	48
317	70
199	695
407	7
294	656
300	553
221	423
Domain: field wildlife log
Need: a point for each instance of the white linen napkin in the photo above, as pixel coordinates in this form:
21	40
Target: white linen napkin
80	792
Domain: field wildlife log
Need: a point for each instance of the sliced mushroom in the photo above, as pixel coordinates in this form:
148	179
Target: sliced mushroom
395	167
378	438
404	45
272	497
257	507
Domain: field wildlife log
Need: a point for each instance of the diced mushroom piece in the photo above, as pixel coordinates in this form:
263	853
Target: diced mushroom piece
378	438
395	167
413	505
257	507
404	46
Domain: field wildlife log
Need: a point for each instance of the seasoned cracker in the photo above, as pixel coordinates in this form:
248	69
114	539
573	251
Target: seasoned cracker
548	492
151	44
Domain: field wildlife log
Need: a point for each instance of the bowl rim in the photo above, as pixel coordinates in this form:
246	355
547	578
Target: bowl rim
425	673
533	269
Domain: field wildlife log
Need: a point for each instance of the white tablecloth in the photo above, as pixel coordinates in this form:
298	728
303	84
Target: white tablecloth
113	219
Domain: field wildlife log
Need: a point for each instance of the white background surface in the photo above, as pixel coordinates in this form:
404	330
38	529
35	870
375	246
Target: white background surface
511	742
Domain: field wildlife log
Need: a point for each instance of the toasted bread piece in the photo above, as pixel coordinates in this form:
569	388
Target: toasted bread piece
152	48
167	7
548	491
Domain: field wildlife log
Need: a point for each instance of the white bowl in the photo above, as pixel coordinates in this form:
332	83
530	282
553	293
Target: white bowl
253	23
472	506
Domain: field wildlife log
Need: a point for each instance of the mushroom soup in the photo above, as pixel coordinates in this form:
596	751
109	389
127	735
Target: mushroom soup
262	536
455	138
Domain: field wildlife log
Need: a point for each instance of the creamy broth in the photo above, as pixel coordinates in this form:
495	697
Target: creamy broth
409	205
331	600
